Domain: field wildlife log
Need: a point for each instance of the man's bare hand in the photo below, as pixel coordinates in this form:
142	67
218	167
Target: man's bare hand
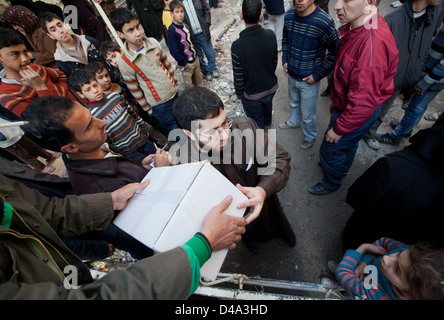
223	230
121	196
256	197
309	79
332	137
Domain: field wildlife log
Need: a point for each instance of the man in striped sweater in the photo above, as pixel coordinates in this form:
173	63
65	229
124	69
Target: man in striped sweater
23	81
125	128
308	49
431	83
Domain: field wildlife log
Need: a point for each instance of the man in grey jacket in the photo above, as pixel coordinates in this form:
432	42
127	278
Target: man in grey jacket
413	26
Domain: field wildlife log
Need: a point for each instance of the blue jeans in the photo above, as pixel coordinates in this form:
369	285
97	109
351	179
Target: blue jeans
202	47
413	113
337	158
259	110
164	114
143	151
303	97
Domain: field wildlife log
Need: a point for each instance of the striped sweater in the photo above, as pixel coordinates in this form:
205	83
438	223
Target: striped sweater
155	83
16	97
354	287
433	77
125	128
309	44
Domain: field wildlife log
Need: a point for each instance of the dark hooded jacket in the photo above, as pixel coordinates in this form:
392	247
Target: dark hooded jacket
413	43
400	195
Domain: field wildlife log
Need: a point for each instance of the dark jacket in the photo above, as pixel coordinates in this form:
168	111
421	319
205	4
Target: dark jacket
413	45
149	13
254	73
103	175
400	195
275	7
203	15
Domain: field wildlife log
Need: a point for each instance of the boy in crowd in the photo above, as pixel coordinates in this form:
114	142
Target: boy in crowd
23	81
309	45
103	77
181	47
255	81
198	18
146	69
110	52
126	130
73	51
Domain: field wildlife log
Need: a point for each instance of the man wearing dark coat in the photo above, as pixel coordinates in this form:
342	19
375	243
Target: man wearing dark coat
400	195
248	156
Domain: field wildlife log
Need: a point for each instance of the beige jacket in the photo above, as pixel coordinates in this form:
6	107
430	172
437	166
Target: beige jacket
160	84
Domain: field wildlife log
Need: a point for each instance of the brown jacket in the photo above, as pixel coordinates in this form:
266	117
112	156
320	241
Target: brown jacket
33	257
43	48
272	222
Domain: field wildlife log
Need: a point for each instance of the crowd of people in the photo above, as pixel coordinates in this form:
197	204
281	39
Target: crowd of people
78	95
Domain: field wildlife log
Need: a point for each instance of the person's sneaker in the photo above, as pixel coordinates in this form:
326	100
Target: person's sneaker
325	93
327	282
394	124
307	144
207	75
285	125
319	189
396	4
385	138
215	74
372	143
332	266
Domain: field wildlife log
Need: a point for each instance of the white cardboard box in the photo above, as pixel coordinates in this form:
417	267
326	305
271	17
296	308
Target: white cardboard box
168	212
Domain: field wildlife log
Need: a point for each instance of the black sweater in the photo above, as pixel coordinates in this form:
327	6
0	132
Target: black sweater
254	57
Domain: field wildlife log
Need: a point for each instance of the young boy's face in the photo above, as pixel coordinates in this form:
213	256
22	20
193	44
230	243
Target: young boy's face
178	15
15	58
92	91
132	32
103	78
59	31
113	57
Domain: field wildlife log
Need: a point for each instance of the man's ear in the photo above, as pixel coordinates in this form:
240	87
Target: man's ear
69	148
120	34
189	134
241	16
80	95
49	35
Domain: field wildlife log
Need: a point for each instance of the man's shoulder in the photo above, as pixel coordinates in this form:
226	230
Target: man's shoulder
243	123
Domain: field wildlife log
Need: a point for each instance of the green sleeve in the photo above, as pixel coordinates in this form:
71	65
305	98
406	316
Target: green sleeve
6	215
198	250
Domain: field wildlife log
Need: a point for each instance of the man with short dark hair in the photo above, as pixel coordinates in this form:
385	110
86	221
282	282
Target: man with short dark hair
255	81
227	142
362	80
309	45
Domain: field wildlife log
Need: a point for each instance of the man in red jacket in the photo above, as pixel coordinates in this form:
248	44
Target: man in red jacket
366	62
